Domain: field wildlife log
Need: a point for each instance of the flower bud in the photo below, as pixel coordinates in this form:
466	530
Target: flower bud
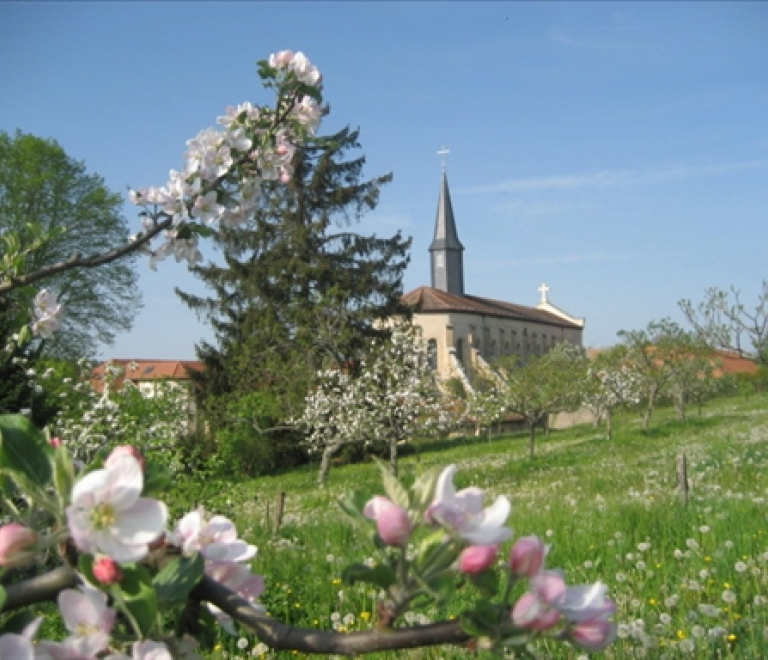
124	450
392	522
527	556
281	59
476	558
16	545
531	613
593	636
55	442
106	571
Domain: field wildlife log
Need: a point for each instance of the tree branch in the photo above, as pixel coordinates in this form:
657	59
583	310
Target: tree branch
280	636
273	633
79	261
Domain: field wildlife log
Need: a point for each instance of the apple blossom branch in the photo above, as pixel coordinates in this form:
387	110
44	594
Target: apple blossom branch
79	261
275	634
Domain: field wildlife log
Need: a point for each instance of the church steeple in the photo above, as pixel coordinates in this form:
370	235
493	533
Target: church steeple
446	250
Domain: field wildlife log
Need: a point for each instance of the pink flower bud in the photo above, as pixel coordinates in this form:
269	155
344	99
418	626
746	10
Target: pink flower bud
392	522
106	571
281	59
55	442
531	613
593	635
527	556
16	545
124	450
476	558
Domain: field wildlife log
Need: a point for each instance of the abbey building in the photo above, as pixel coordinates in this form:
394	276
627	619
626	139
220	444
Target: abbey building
464	332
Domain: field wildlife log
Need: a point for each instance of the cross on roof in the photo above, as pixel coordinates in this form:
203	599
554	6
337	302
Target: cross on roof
544	290
443	152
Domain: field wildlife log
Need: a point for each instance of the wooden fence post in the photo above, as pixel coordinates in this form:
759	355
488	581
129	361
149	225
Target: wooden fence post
279	511
682	478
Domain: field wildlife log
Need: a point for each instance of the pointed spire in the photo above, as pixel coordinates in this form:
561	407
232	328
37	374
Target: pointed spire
446	249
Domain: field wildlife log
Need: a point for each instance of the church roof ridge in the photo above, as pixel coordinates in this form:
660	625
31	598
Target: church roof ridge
426	299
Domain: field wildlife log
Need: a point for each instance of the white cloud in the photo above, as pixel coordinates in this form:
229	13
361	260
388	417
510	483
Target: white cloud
607	178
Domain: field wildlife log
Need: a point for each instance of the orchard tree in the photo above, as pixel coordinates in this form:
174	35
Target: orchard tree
53	210
664	358
692	373
544	385
389	398
610	382
298	291
723	321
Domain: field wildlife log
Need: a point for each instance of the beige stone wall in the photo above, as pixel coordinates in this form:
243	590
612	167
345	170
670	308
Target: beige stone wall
490	336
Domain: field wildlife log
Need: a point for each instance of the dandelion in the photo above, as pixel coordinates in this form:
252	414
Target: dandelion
242	643
704	529
728	596
687	646
691	543
740	567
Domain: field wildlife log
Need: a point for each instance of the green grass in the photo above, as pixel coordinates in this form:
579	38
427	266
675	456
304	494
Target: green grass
689	580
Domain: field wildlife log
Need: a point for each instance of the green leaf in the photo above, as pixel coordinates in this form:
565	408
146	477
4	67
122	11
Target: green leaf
24	450
201	230
136	597
392	486
63	474
424	489
178	577
380	576
3	596
486	582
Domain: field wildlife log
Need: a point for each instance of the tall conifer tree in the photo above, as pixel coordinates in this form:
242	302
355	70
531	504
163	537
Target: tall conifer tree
297	289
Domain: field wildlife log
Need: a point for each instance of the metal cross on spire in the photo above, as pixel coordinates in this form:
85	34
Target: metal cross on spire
443	152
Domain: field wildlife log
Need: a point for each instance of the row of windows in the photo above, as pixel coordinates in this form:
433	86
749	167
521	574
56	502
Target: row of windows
523	346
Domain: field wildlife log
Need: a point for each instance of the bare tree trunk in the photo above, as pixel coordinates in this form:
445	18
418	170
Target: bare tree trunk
649	410
532	440
609	423
325	461
393	454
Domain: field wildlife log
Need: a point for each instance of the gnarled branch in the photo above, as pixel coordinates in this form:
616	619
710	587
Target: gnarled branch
273	633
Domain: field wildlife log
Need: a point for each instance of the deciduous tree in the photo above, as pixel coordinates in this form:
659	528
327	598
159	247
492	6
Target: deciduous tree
724	321
51	210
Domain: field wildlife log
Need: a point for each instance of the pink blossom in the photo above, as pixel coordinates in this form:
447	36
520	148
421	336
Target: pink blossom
477	558
107	571
108	515
281	59
125	450
593	635
20	647
146	650
90	621
464	512
532	613
392	522
527	556
237	578
216	539
55	442
17	544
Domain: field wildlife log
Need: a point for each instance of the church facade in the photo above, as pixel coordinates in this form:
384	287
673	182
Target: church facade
465	332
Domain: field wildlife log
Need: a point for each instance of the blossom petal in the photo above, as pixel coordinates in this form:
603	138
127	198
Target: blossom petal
141	523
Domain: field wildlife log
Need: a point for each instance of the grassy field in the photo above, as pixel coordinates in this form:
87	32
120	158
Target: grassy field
689	580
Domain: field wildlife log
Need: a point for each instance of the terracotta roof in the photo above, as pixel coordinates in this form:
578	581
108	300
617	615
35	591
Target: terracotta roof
144	370
426	300
733	363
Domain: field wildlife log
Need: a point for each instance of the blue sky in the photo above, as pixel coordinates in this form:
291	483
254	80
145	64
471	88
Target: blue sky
616	151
